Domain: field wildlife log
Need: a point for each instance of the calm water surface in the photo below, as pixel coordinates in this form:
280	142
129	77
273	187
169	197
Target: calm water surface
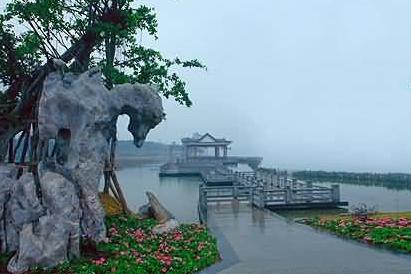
382	198
178	195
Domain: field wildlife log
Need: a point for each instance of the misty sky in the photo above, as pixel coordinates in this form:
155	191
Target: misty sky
317	84
305	84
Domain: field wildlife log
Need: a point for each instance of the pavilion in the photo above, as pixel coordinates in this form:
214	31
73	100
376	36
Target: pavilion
205	147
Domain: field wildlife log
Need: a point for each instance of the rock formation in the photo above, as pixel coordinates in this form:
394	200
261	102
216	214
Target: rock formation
77	117
154	208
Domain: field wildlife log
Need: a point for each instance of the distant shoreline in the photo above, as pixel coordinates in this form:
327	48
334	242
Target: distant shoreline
123	162
398	181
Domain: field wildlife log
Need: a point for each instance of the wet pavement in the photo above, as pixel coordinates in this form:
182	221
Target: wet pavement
258	241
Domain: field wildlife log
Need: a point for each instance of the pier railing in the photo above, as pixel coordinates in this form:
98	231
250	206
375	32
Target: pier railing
262	190
260	197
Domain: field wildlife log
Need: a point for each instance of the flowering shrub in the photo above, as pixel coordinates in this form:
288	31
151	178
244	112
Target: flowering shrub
393	233
133	248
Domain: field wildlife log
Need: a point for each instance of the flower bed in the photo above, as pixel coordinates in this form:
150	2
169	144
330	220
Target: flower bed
385	231
133	248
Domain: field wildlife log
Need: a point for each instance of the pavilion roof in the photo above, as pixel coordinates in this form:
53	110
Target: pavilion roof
205	139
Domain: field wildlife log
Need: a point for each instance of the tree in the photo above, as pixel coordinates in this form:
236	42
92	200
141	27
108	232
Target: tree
83	34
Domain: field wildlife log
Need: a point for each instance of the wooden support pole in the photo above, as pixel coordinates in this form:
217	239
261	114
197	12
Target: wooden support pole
18	143
11	150
107	179
120	192
25	145
113	190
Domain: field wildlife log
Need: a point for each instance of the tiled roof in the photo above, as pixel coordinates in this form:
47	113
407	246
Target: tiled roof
197	138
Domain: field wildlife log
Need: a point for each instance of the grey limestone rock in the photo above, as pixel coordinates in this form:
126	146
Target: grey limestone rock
80	114
8	234
54	237
166	220
77	117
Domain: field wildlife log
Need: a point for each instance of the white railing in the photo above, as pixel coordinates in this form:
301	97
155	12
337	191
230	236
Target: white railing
253	188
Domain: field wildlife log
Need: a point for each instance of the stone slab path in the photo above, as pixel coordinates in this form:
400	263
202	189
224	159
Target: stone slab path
258	241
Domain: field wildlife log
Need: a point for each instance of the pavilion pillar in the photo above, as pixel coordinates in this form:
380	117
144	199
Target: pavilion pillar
217	151
225	151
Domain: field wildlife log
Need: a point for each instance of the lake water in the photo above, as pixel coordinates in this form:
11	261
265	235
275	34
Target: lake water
257	241
180	195
383	199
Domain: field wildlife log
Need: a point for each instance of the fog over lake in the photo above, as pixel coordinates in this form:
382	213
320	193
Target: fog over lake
313	84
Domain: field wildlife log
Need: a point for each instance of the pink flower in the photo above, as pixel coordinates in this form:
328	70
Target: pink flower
113	231
164	247
164	259
99	261
367	239
135	253
139	260
139	235
200	246
177	235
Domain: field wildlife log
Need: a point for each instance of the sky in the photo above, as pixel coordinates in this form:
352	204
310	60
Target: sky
314	84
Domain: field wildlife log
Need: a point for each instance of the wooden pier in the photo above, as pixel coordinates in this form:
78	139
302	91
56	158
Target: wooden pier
266	189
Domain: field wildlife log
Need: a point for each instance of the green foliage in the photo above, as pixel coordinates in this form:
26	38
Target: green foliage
133	248
392	233
397	181
53	26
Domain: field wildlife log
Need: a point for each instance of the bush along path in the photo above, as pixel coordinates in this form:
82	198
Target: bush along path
383	231
133	248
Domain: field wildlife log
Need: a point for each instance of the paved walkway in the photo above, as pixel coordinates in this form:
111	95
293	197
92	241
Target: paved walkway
257	241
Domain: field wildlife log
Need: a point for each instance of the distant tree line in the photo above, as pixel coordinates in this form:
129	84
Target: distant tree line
397	181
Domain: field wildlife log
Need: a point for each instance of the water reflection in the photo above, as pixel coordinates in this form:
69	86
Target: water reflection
258	218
